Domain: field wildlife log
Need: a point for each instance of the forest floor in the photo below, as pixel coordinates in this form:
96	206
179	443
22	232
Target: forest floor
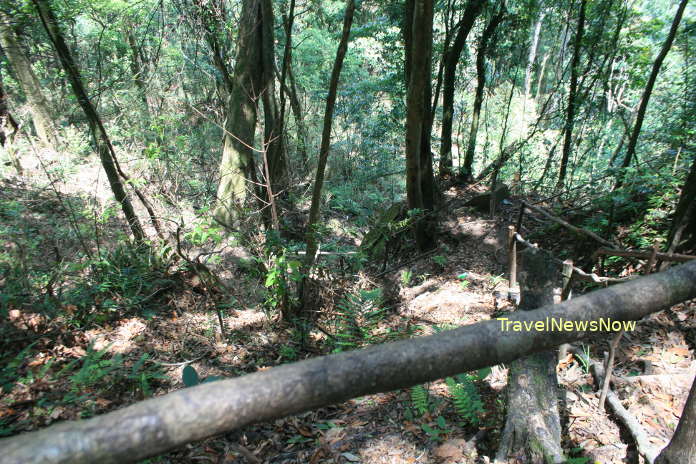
656	362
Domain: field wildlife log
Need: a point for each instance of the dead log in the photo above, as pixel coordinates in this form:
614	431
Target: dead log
533	427
156	425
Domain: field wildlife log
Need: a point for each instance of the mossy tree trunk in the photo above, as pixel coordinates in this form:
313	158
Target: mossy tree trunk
36	100
237	168
8	130
682	236
532	430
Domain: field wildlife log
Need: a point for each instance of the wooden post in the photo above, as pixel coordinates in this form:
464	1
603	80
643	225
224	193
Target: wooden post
566	294
513	290
518	228
567	279
652	259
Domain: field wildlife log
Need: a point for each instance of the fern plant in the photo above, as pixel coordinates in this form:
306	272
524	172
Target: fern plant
419	398
466	398
356	319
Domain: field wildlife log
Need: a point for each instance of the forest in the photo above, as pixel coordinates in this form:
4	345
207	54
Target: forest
348	231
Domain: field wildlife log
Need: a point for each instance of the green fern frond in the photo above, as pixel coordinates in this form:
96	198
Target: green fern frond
419	398
466	399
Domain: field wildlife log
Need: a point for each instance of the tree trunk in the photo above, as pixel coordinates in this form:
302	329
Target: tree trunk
38	104
682	447
99	135
533	48
633	140
311	238
8	130
273	125
532	432
418	41
451	59
138	70
237	164
302	137
287	63
467	170
570	117
682	236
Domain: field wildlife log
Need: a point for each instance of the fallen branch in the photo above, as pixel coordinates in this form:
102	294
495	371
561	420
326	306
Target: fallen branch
578	273
154	426
644	255
569	226
635	429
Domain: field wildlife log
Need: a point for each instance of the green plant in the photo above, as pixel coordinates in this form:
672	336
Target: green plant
465	396
406	276
440	260
10	372
463	280
495	280
419	398
95	366
356	318
190	377
584	359
435	433
288	352
141	377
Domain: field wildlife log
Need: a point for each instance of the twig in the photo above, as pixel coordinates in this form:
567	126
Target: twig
567	225
610	364
635	429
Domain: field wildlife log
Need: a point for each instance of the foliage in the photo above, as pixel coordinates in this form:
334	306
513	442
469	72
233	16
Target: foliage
419	398
465	398
435	432
190	378
357	316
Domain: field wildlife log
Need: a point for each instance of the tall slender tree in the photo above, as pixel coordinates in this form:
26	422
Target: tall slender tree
467	170
311	236
99	134
642	108
451	59
572	96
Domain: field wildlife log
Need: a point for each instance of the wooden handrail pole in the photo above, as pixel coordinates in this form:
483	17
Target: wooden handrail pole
512	257
518	227
652	259
567	279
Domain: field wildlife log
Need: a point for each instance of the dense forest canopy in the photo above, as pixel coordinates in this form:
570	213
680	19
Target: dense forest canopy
285	155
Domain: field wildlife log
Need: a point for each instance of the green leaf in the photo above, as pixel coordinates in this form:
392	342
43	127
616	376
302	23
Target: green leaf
483	373
190	377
